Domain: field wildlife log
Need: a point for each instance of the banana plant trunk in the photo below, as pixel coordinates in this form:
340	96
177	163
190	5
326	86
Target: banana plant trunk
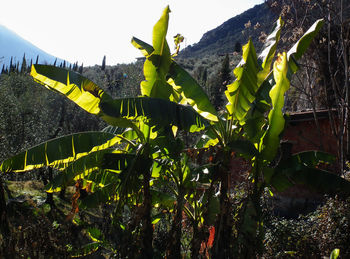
221	246
147	230
174	244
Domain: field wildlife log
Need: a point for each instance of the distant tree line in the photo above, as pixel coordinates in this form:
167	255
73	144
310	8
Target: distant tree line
24	67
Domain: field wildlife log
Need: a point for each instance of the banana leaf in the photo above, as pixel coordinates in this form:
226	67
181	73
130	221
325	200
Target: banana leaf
84	166
299	48
157	63
301	168
255	119
59	152
144	47
74	86
318	180
192	92
160	112
271	139
241	93
269	51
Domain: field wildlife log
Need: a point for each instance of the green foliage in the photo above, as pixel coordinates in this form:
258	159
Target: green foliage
241	93
139	164
316	234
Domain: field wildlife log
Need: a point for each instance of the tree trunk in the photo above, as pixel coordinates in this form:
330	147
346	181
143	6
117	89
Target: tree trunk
147	249
174	243
221	247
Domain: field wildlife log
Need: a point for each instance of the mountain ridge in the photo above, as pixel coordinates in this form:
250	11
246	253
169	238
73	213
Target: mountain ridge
223	38
13	45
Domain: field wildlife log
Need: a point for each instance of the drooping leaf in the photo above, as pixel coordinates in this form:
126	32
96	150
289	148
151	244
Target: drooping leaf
271	138
94	162
269	51
59	151
301	168
309	159
321	181
192	92
74	86
302	44
145	48
241	93
160	112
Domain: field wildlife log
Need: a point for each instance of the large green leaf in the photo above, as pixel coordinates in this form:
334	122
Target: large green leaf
144	47
77	88
241	93
255	118
157	64
269	51
82	167
303	43
271	139
301	168
59	151
321	181
309	158
160	112
192	92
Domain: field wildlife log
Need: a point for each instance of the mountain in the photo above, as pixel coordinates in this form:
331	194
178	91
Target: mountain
12	45
223	39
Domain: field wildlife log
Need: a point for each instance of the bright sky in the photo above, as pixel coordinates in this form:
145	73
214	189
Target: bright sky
86	30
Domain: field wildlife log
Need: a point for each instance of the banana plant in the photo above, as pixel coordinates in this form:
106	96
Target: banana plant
244	129
131	160
113	167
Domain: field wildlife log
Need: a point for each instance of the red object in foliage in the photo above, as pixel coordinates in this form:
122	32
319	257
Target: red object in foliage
211	237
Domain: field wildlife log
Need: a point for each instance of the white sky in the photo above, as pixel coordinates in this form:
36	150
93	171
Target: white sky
86	30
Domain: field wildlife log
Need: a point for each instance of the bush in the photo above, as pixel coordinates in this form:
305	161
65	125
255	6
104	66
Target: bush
313	236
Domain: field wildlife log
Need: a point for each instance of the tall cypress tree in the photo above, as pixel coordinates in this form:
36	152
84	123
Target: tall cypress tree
37	60
103	63
30	66
81	68
11	69
24	64
238	47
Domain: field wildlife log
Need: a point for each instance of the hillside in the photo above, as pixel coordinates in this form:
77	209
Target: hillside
223	38
12	45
